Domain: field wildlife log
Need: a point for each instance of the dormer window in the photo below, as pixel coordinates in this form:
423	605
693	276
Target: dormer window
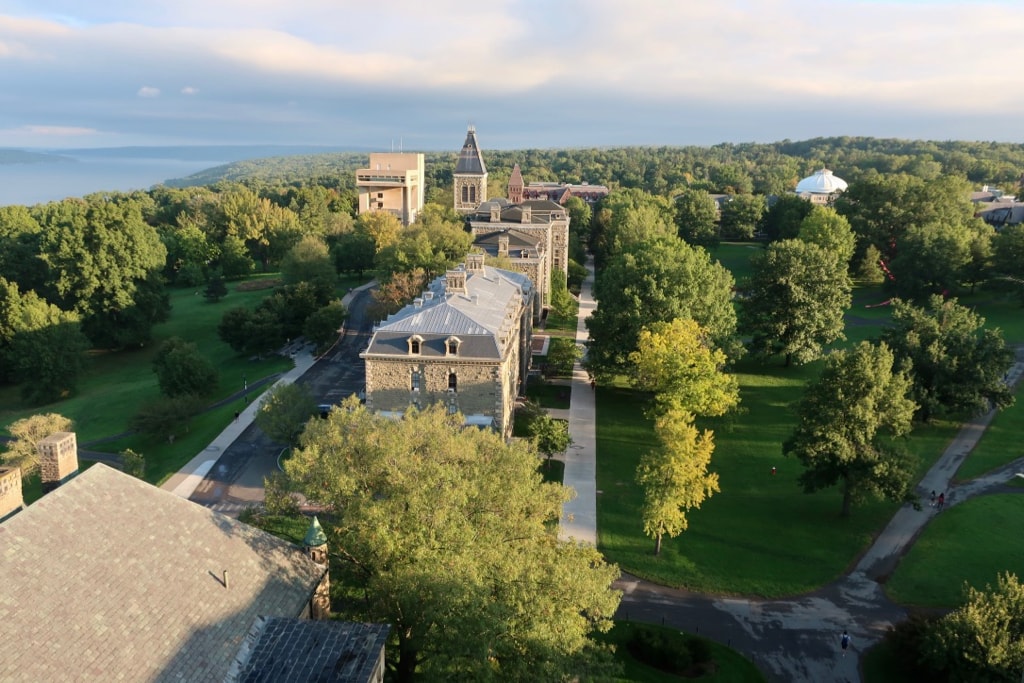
452	346
415	345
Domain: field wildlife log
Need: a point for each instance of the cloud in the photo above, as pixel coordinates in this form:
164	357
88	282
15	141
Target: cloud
313	69
58	131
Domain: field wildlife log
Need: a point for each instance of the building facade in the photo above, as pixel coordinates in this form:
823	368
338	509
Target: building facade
821	188
393	182
464	343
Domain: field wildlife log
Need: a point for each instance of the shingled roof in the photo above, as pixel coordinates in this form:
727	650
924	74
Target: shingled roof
110	578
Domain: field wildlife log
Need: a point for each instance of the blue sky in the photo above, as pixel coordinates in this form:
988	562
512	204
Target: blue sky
526	73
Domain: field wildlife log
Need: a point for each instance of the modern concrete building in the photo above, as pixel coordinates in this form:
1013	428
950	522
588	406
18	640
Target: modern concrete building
393	182
464	343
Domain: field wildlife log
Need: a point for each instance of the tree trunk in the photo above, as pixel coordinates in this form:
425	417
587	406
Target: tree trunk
789	359
657	545
405	666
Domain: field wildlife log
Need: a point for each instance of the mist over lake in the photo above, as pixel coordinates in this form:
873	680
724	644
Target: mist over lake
38	183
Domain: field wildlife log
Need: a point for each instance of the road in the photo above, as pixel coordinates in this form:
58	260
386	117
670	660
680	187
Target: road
236	480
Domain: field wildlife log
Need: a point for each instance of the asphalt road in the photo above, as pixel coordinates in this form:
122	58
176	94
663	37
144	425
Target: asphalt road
236	480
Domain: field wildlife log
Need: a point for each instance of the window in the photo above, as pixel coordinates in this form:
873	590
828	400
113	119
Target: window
415	381
453	382
472	195
465	193
451	346
415	344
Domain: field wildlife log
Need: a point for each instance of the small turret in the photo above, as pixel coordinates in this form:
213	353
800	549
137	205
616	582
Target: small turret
315	547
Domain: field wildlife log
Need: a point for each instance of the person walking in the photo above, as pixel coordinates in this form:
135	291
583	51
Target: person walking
844	641
941	501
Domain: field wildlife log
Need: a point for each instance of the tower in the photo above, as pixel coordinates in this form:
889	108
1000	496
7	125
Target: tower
470	177
315	547
515	186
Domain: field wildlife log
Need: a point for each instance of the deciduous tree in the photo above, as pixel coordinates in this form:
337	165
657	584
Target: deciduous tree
848	424
675	476
677	363
446	533
696	216
794	301
284	411
957	364
181	369
653	282
26	434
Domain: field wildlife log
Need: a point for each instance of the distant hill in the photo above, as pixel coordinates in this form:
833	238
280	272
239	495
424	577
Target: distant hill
221	153
21	156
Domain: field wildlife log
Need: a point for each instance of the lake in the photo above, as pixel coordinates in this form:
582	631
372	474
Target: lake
30	184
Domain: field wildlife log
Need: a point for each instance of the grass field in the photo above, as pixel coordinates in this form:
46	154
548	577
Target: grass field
730	666
1000	444
970	542
796	542
115	384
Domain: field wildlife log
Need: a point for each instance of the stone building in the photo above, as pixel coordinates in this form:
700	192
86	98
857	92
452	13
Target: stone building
561	192
393	182
109	578
464	343
533	234
470	177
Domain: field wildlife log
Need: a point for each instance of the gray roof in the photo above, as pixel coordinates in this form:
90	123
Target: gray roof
110	578
477	318
470	162
289	650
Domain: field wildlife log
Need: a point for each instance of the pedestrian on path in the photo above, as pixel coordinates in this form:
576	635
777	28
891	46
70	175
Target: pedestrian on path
844	641
941	501
932	504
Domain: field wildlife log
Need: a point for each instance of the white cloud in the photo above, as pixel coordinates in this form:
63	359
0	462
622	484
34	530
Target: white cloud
189	90
148	91
58	131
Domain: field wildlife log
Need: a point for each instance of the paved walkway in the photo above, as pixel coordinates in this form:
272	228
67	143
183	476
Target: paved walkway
579	516
794	639
187	479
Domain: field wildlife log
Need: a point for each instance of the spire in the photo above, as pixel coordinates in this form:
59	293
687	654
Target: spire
470	162
315	535
515	186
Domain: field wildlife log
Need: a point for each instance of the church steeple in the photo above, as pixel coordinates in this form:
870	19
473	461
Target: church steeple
515	186
470	175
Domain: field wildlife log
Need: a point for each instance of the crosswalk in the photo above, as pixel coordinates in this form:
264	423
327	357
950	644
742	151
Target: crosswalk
231	509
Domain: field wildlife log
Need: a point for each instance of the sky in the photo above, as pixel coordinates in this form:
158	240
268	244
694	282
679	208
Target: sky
413	74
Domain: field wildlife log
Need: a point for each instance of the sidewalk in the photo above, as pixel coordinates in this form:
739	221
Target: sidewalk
187	479
579	516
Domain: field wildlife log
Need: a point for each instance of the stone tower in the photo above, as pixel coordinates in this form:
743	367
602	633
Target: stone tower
58	459
470	178
515	186
315	547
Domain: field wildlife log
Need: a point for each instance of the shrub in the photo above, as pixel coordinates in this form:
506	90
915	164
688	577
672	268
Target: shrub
663	650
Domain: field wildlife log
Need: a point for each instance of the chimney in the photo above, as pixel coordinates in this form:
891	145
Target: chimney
417	302
10	491
475	263
503	245
58	459
495	213
527	215
455	281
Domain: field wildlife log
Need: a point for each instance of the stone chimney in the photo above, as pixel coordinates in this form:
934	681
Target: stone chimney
58	459
10	491
315	547
495	213
475	263
527	216
455	281
503	245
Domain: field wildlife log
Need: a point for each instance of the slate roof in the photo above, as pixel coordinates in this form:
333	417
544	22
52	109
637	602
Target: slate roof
470	162
540	211
478	323
109	578
293	651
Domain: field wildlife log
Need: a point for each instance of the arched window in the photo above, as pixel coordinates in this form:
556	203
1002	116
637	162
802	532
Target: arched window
451	346
453	382
465	194
472	194
415	344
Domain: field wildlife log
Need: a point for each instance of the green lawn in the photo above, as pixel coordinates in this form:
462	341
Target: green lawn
549	395
1000	444
730	666
970	542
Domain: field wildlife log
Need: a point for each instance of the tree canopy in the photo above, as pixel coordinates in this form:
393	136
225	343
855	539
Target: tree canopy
26	434
848	424
957	365
652	282
794	301
447	534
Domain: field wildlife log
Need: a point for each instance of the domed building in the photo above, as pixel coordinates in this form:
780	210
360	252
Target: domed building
821	188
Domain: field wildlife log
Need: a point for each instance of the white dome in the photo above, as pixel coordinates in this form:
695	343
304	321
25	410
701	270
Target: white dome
822	182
